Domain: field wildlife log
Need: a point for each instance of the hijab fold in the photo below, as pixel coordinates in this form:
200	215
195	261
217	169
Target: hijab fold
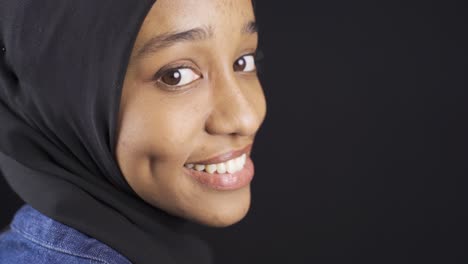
62	65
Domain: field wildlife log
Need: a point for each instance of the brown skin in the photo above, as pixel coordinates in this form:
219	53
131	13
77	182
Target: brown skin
219	109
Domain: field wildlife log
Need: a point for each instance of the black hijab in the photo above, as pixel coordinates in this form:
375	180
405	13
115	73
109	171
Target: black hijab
62	65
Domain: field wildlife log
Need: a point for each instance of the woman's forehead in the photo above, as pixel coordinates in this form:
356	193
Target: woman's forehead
175	15
180	20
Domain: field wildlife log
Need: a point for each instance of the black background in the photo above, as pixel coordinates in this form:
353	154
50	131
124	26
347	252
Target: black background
363	156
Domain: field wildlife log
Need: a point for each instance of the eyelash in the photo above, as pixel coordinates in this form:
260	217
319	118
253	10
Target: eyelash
258	57
168	69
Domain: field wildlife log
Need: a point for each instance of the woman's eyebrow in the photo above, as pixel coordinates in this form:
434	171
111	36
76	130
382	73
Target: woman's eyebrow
250	28
195	34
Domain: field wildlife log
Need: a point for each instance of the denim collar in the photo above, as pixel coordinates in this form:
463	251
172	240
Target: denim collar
54	235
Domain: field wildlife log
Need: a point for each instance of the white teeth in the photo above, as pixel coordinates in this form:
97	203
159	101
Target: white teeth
221	167
240	161
230	166
211	168
199	167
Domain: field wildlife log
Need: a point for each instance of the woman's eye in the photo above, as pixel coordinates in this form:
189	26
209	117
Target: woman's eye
245	63
179	77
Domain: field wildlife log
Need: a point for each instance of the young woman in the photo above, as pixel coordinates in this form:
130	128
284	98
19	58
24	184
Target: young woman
120	120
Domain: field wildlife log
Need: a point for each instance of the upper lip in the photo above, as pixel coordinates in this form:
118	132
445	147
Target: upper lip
225	156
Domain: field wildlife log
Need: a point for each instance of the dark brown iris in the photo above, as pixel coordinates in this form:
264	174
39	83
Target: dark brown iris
240	64
172	77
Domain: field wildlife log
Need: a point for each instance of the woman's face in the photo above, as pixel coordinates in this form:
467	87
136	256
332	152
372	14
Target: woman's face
191	94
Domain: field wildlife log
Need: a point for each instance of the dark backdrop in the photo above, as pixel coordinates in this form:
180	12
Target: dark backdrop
363	157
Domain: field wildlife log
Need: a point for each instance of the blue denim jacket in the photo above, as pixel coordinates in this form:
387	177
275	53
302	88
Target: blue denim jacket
34	238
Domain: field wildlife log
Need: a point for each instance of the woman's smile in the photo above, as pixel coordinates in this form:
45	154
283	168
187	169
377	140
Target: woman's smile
229	171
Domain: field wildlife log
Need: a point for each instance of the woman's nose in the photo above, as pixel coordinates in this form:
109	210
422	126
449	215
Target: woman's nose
238	108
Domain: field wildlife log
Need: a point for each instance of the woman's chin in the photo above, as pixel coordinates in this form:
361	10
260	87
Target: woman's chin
221	220
224	213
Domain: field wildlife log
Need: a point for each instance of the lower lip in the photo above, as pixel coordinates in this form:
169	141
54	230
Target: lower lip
225	181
